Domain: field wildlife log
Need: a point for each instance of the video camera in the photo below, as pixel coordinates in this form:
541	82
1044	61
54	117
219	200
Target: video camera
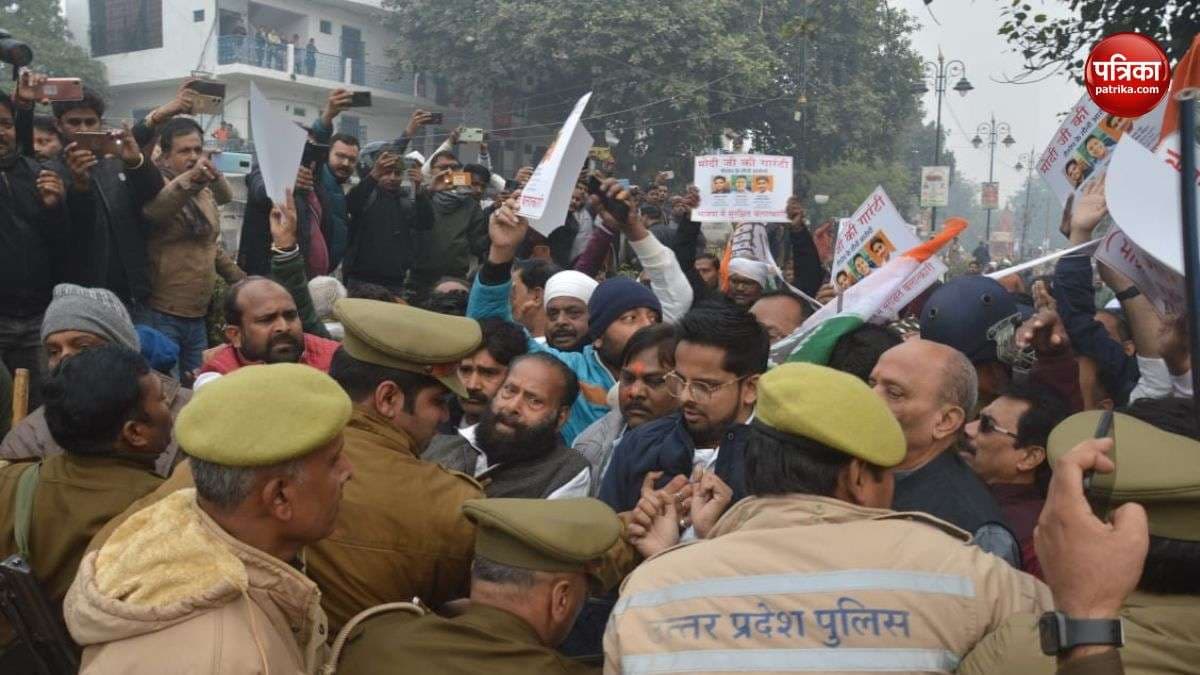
14	51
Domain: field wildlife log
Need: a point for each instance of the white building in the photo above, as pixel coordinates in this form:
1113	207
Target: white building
149	46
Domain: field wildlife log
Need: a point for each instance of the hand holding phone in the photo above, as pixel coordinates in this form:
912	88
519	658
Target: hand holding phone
207	97
314	153
360	99
100	143
618	208
436	118
79	161
471	135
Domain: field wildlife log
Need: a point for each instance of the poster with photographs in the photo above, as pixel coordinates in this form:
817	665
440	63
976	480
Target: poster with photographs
743	188
869	238
1079	151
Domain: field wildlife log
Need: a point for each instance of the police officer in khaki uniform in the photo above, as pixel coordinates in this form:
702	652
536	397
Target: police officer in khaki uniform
400	532
812	571
531	575
105	407
1157	458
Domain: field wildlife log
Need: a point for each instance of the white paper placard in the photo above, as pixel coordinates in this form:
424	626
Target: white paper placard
1162	286
547	196
278	144
1142	191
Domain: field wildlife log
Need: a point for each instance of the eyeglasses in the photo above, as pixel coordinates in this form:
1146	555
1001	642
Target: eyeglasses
987	425
700	392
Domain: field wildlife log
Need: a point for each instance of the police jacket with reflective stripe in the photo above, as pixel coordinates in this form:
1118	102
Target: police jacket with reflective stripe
802	583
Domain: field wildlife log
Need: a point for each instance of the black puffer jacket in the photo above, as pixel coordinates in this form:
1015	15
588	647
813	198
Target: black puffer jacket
32	239
381	245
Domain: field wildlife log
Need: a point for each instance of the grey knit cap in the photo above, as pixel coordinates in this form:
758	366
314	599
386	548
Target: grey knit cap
91	310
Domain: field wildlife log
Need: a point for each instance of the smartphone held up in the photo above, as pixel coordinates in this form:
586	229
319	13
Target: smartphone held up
60	89
207	96
100	143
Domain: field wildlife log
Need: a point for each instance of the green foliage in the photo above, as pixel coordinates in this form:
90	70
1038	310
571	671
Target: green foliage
1050	44
670	78
850	181
40	24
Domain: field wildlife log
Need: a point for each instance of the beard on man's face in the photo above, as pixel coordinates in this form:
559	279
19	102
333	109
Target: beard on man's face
281	348
515	442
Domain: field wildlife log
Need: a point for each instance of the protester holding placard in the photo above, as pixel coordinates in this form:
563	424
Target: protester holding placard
835	435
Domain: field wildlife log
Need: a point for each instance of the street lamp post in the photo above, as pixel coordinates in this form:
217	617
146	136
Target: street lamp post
1025	161
939	73
993	129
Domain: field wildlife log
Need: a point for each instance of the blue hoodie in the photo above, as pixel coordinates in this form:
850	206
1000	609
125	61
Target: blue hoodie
594	378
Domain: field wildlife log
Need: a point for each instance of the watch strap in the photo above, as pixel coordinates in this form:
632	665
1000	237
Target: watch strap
1094	632
1128	293
1073	633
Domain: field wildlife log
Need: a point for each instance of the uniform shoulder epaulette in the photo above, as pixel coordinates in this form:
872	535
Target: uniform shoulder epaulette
460	475
926	519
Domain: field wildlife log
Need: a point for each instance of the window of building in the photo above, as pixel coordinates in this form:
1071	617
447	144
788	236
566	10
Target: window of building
326	27
119	26
198	16
300	112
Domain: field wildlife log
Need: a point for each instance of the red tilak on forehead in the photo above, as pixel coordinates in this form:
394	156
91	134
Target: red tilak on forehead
638	369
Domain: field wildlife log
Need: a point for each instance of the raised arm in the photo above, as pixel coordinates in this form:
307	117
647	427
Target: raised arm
667	279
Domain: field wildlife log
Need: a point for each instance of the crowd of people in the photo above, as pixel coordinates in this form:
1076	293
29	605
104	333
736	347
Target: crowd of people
433	439
267	47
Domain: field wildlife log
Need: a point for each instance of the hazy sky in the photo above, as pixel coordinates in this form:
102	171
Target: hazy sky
967	31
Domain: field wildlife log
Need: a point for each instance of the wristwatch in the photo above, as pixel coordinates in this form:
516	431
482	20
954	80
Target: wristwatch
1060	633
1128	293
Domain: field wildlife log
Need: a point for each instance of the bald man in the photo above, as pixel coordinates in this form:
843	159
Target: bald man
932	390
780	313
262	325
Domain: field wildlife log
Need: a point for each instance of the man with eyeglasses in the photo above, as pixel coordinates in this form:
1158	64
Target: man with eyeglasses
720	353
1008	451
932	390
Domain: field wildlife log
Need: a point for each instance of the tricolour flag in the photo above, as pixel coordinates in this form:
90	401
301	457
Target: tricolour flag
871	298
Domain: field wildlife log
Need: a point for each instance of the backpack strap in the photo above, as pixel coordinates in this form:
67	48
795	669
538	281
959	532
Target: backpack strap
23	508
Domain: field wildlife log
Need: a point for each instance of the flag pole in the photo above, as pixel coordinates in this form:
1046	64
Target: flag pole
1191	237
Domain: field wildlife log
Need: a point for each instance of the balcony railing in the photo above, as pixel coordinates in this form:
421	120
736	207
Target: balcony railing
249	51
